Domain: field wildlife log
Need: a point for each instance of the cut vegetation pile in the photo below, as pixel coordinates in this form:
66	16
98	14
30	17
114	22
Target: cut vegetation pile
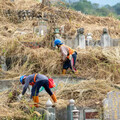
72	20
88	93
6	4
91	63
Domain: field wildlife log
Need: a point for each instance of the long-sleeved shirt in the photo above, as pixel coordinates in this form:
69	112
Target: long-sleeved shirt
30	79
64	52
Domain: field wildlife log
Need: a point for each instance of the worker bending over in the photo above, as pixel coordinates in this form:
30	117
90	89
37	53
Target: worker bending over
37	80
68	56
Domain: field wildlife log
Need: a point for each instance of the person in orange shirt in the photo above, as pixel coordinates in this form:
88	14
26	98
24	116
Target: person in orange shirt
68	56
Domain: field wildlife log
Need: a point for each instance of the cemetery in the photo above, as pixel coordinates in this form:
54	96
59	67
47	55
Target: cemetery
27	34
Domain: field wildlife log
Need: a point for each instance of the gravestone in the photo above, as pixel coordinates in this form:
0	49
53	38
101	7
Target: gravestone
111	106
69	42
76	42
105	39
106	109
41	29
89	39
81	38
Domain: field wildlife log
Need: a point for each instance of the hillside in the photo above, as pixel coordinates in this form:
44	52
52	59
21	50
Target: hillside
11	38
101	67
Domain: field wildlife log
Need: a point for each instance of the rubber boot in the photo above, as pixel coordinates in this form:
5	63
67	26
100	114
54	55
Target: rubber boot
64	71
36	101
54	97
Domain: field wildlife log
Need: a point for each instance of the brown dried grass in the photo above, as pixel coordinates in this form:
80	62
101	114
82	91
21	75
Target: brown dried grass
91	63
6	4
89	93
100	63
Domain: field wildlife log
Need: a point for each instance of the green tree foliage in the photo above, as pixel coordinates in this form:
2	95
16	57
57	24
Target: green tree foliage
83	6
117	8
103	11
94	9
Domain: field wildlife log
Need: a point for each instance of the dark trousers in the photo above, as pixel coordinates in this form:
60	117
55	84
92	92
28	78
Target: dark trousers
37	86
70	63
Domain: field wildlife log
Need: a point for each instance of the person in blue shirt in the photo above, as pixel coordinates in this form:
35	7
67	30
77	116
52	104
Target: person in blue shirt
37	81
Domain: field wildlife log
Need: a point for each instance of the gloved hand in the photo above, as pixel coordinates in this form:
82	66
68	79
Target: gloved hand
20	97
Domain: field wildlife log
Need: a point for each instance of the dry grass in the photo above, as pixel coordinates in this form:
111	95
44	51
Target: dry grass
71	19
100	63
91	63
86	93
6	4
89	93
25	4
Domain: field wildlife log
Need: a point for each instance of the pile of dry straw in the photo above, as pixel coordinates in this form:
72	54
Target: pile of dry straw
88	93
91	63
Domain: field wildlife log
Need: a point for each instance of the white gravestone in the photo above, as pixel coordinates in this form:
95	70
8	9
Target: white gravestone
81	41
89	39
105	40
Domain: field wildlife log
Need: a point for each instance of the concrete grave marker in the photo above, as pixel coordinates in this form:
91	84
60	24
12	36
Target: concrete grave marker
82	41
106	109
81	38
105	39
41	29
111	106
89	39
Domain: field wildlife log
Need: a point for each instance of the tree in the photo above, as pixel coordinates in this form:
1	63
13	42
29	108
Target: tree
95	6
117	8
103	11
93	9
